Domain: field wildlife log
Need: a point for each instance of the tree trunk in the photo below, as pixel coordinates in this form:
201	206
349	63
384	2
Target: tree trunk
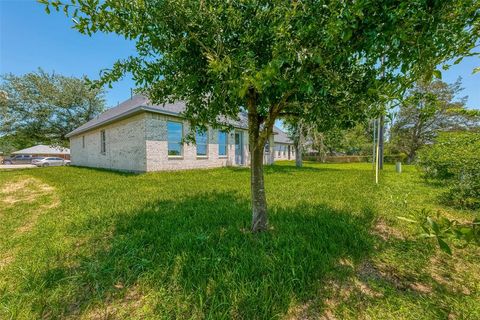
298	155
299	146
411	157
257	185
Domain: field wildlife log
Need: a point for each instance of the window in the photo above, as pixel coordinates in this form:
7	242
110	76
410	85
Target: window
102	142
222	143
175	137
278	148
201	139
83	141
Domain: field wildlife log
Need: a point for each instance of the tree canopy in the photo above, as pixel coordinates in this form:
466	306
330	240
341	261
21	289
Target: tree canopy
328	62
428	108
39	107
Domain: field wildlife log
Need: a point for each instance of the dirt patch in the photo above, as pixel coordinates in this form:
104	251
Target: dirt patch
360	286
421	287
447	274
128	306
5	261
335	293
382	272
29	190
26	190
385	231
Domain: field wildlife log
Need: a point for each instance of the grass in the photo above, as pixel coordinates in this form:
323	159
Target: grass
81	243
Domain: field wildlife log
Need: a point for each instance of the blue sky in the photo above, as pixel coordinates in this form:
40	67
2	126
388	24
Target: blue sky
29	39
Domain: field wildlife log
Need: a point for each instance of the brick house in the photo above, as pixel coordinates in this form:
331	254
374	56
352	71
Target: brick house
141	137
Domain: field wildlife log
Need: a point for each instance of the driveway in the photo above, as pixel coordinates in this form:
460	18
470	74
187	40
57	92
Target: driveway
16	166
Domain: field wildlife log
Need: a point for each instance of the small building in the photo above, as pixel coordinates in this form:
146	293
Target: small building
42	150
140	136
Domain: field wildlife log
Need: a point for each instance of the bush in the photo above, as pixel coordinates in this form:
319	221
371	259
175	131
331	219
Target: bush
447	231
455	158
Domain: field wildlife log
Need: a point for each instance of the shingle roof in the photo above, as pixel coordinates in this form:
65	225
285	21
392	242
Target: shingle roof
43	149
280	136
139	103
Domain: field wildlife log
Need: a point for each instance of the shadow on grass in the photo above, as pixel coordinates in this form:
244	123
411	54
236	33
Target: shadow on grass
286	169
197	259
106	170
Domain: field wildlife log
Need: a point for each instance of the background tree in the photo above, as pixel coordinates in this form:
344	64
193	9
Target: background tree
318	60
351	141
298	133
426	109
39	107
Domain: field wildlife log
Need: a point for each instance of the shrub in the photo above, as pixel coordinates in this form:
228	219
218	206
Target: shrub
455	159
446	231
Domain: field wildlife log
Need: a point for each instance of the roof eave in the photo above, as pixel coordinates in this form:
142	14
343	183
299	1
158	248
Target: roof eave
127	114
119	117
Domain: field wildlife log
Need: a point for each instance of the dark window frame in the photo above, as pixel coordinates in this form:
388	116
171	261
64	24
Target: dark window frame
203	135
180	142
103	142
224	145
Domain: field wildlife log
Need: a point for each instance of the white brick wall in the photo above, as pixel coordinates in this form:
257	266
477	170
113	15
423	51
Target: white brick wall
157	152
139	144
125	146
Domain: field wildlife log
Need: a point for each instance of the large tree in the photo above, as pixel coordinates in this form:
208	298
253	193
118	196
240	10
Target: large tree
39	107
318	60
426	109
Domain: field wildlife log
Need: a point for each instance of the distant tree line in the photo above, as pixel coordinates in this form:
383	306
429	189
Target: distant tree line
425	110
41	108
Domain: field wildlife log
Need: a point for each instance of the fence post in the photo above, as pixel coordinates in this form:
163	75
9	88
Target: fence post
399	167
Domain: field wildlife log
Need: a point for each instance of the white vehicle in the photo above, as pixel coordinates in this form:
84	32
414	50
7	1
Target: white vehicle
50	162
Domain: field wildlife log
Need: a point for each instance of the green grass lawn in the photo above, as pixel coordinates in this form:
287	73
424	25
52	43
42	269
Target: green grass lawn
81	243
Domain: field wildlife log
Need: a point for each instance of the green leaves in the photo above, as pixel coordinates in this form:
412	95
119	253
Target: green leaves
437	74
44	107
444	246
324	55
454	160
447	232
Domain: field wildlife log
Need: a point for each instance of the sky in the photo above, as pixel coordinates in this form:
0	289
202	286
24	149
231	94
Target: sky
32	39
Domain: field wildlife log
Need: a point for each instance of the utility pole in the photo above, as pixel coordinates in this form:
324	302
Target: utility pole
377	153
381	138
374	151
381	129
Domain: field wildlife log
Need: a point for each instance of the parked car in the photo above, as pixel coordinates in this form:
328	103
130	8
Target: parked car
18	159
37	160
50	162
